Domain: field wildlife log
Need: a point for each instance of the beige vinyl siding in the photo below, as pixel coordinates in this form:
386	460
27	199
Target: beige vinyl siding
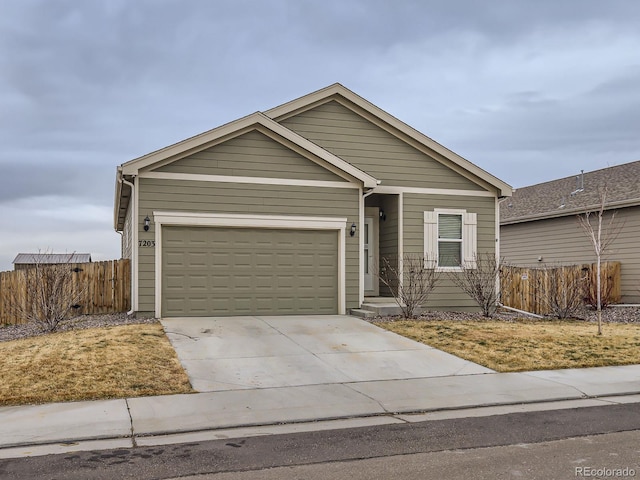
561	241
190	196
447	296
252	155
127	233
372	149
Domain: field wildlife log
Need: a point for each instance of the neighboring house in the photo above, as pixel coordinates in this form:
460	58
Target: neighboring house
29	260
539	224
288	211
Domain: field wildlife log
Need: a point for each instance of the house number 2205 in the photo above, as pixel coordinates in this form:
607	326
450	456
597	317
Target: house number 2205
146	243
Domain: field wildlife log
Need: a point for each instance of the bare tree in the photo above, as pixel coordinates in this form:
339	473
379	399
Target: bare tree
601	236
411	282
50	294
561	291
480	279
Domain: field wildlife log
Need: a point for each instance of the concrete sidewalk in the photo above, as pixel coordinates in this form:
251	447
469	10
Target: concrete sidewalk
148	420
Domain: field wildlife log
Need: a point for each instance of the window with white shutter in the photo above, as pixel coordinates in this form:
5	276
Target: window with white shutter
450	238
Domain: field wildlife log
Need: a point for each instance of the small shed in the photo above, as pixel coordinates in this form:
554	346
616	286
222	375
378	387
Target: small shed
29	260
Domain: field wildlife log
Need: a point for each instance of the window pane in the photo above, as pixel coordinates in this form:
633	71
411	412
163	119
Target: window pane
449	254
450	226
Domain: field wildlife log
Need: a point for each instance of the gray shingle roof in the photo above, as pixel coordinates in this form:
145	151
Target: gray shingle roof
50	258
563	196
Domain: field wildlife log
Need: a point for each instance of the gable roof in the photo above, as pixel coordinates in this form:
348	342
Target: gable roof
338	91
51	258
203	140
210	137
269	121
574	195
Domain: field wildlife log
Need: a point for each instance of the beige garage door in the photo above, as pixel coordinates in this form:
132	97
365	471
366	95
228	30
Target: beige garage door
248	271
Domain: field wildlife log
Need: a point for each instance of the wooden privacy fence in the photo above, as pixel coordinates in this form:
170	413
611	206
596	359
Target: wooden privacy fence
529	289
107	285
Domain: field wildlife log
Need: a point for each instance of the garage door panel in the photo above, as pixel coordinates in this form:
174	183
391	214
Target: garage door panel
235	271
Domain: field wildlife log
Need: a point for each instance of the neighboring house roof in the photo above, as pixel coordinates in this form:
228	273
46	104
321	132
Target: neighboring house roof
269	121
51	258
573	195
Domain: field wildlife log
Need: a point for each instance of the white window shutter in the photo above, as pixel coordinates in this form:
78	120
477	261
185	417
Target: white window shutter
470	239
430	238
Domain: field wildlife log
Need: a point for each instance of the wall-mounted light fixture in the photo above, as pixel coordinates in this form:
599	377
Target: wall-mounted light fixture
146	223
383	216
352	232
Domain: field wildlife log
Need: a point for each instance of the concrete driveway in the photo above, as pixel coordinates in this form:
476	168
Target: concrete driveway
236	353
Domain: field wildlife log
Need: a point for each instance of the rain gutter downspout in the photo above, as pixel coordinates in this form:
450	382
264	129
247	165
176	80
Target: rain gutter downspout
134	244
535	315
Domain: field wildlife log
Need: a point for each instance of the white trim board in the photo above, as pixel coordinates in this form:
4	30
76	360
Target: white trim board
389	189
164	218
193	177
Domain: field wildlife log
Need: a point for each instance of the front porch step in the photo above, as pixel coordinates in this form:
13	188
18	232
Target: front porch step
358	312
378	307
382	309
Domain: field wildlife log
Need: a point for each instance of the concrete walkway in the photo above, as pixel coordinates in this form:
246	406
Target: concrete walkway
355	398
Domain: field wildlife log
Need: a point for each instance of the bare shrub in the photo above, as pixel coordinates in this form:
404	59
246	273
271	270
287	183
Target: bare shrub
480	280
561	291
411	283
50	294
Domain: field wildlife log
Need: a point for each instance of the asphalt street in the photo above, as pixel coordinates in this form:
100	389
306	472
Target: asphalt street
601	456
511	444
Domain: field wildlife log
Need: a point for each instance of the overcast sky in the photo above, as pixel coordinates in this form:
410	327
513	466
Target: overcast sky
528	90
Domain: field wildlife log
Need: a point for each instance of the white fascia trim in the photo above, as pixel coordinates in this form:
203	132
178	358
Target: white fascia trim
117	198
193	177
250	221
387	189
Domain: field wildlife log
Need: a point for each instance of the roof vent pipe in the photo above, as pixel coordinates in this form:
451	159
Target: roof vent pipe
579	183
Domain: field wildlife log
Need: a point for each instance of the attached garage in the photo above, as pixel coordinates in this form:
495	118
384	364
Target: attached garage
227	270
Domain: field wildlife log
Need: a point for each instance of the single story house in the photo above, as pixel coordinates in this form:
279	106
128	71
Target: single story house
29	260
539	223
289	211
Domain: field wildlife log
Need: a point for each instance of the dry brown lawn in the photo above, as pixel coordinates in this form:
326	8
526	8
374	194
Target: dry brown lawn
97	363
527	345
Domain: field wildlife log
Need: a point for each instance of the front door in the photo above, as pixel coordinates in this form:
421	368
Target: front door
370	257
